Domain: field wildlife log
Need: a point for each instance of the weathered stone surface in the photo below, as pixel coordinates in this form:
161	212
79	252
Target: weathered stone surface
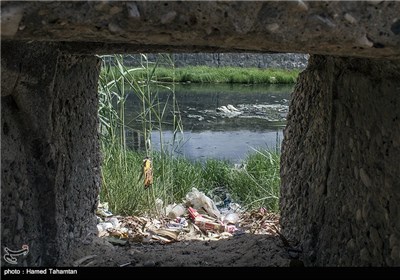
273	60
49	149
367	29
332	92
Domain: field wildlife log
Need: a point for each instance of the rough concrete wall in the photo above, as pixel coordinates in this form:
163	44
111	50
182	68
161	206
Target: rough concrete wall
340	163
50	161
276	60
351	28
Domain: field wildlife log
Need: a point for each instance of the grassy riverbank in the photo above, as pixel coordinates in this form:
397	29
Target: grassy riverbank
256	185
205	74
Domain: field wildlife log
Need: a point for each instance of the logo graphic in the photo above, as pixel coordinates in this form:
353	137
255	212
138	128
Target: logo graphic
10	255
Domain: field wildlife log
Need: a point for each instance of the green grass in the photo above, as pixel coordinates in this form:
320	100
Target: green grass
205	74
255	186
258	185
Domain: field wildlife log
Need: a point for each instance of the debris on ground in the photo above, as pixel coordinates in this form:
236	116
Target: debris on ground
174	211
205	229
198	200
260	222
102	210
198	218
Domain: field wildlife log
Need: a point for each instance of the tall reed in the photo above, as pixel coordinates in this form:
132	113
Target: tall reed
120	166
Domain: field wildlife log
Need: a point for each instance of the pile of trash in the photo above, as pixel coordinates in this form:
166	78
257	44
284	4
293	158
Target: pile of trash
198	218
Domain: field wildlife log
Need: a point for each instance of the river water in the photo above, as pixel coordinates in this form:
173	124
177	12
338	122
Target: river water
220	121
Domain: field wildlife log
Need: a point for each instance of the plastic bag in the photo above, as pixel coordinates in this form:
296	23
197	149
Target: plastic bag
231	218
200	201
175	210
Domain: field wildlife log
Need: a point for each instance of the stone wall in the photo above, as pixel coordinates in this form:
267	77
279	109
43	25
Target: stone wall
50	159
354	28
340	166
277	60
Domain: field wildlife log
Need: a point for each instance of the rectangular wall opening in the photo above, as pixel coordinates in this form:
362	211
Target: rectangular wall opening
209	127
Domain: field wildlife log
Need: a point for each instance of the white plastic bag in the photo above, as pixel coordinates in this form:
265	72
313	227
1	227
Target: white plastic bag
175	210
231	218
199	201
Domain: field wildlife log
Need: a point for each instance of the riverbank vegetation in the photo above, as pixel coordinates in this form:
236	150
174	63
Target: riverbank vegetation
254	185
206	74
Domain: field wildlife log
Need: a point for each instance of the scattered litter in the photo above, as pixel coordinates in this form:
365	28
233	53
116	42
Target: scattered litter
172	234
175	210
162	240
231	218
102	210
125	264
200	201
159	206
119	233
116	241
114	221
231	228
260	222
197	219
232	108
178	223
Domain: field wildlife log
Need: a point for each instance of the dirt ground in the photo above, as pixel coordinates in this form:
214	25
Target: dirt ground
245	250
243	239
